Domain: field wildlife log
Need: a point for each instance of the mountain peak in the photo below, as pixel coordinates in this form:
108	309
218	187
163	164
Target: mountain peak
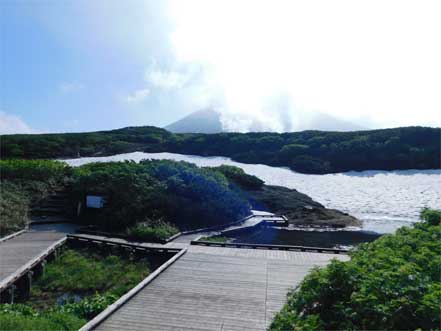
209	121
202	121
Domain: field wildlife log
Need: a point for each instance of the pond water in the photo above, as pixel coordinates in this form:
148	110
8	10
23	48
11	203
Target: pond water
383	200
330	239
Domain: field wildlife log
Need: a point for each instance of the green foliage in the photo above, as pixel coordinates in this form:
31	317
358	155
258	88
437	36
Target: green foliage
89	307
14	207
24	318
33	170
152	233
17	309
82	272
74	273
177	192
215	239
240	177
392	283
431	216
307	151
35	179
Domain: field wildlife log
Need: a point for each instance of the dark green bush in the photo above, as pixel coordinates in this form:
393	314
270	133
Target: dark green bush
240	177
178	192
431	216
392	283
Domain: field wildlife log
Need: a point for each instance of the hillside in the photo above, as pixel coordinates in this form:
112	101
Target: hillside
307	151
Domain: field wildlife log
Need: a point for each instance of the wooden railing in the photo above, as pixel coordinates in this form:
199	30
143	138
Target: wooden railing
123	245
272	247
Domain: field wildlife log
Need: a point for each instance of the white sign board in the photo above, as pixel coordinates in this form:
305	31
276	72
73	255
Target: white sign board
94	201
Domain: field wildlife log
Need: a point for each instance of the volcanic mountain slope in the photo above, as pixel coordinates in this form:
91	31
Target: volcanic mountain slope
209	121
202	121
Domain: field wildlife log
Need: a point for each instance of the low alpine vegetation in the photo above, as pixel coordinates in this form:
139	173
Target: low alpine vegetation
152	232
392	283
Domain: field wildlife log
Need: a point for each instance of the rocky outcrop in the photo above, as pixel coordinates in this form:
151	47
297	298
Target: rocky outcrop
299	208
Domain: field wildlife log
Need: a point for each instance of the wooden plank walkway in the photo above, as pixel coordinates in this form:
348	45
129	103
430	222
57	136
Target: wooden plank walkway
206	288
22	249
217	288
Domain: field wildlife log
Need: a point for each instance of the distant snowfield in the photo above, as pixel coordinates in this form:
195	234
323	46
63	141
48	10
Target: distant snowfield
383	200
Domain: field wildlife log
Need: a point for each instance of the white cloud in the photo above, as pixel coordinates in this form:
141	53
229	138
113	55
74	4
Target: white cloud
169	78
70	87
138	96
351	59
10	124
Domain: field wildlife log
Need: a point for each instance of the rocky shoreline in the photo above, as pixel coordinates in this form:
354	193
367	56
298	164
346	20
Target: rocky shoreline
300	209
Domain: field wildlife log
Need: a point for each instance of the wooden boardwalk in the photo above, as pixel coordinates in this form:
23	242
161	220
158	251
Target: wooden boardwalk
205	288
216	288
21	250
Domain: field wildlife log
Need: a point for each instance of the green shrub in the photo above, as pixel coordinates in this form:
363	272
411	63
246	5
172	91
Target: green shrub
152	233
89	307
240	177
431	216
392	283
34	170
18	309
214	239
14	208
180	192
20	319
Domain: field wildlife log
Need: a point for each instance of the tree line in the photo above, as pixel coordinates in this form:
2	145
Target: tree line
308	151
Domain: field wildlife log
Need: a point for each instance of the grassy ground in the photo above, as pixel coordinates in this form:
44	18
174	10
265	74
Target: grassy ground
215	239
81	273
74	288
152	233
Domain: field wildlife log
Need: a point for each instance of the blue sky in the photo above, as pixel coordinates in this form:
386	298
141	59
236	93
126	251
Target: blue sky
69	66
93	65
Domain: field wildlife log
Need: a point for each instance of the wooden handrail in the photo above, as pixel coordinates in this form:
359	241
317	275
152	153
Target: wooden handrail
272	247
159	249
12	235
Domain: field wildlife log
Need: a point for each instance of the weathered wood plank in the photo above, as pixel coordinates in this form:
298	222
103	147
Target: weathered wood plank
216	288
23	248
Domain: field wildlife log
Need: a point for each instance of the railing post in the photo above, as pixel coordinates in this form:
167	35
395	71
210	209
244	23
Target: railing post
40	269
11	292
24	286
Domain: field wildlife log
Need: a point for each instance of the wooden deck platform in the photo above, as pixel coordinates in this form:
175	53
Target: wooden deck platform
217	288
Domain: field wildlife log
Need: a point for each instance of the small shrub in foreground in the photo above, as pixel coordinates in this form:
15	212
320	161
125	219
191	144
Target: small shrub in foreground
153	233
89	307
24	318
